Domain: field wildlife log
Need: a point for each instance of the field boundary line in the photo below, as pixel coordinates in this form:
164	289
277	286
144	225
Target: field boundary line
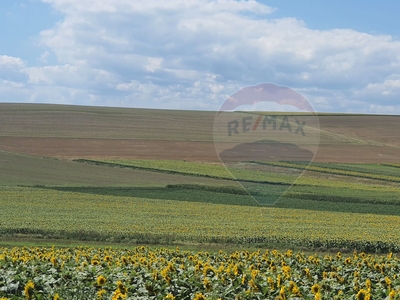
96	162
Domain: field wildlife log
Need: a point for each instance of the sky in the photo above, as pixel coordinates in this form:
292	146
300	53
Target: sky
342	56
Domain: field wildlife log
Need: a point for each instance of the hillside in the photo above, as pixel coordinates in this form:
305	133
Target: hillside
100	132
154	176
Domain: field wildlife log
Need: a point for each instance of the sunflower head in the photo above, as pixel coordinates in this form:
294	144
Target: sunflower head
101	280
315	289
29	288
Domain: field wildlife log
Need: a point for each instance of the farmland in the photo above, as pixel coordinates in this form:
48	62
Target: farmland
97	157
92	273
309	186
128	177
74	215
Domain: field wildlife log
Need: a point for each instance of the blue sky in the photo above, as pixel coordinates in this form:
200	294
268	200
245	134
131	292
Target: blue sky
192	54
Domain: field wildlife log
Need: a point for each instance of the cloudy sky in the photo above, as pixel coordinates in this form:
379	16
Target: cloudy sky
343	56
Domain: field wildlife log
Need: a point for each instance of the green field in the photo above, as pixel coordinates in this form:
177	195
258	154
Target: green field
167	202
47	213
19	169
117	178
64	182
344	189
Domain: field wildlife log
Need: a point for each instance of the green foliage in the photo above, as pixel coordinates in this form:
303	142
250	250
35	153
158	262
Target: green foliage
230	195
333	169
82	216
220	189
209	170
142	273
18	169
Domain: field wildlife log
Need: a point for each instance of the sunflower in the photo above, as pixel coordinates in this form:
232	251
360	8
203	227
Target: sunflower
282	293
29	288
368	283
296	291
117	295
271	283
315	289
207	284
253	285
101	293
286	269
53	260
121	287
363	295
101	280
279	280
199	296
388	281
95	262
244	279
392	294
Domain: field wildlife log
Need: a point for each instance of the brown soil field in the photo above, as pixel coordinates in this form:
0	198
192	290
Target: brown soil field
99	132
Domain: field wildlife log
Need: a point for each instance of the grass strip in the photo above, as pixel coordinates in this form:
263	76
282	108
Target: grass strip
331	171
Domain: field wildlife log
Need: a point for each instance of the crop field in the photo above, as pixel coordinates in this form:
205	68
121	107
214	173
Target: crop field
93	132
253	172
363	171
129	177
145	273
393	165
19	169
217	171
345	188
73	215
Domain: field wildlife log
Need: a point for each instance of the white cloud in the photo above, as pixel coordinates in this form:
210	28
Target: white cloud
12	69
12	84
44	57
153	64
9	61
194	53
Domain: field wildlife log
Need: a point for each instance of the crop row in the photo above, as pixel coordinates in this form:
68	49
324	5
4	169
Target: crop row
392	165
142	273
333	170
243	175
370	168
76	215
197	169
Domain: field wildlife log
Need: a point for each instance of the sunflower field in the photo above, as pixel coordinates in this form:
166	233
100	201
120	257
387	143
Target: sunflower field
146	273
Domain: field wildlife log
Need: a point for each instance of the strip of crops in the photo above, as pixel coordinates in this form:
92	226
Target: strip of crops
142	273
350	207
55	214
341	199
385	169
183	192
342	193
392	165
333	170
343	185
197	169
360	201
220	172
